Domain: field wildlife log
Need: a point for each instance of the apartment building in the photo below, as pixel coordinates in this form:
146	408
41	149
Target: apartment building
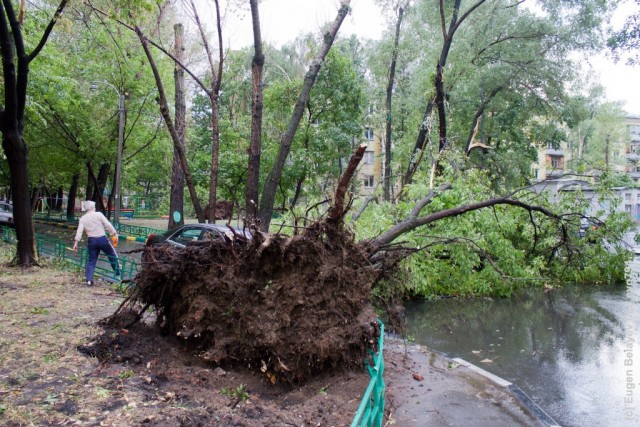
632	148
552	162
370	172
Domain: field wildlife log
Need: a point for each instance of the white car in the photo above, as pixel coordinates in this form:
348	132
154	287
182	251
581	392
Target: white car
6	213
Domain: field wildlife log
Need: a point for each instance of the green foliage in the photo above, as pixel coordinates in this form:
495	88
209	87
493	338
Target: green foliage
626	41
237	393
494	251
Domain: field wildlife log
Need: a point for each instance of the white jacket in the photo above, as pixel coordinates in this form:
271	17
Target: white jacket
94	224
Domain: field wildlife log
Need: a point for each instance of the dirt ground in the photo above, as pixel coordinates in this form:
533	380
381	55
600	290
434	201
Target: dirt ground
49	374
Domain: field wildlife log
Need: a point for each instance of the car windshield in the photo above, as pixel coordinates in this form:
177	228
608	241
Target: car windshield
6	207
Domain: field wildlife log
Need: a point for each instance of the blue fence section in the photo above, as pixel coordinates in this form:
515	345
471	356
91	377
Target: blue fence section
371	410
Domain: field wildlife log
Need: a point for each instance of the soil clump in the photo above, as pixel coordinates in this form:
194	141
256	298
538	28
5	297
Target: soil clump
287	307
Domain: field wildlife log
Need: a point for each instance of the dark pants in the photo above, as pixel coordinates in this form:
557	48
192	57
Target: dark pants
95	245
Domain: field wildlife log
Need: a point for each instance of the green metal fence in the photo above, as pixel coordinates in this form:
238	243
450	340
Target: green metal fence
55	247
7	234
54	216
371	410
135	230
126	231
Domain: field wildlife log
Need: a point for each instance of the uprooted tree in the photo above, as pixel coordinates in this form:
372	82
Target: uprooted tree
293	306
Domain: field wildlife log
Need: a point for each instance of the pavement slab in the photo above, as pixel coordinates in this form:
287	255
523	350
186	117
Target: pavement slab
425	388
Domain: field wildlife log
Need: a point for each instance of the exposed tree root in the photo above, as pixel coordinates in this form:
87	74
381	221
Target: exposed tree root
287	306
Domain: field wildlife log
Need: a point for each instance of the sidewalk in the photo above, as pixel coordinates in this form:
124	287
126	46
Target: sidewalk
427	389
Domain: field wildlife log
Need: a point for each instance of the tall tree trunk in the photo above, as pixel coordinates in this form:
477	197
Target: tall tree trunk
176	197
15	79
73	192
214	100
35	196
268	198
98	190
424	137
59	196
88	192
439	101
112	192
389	123
18	167
215	150
164	110
253	167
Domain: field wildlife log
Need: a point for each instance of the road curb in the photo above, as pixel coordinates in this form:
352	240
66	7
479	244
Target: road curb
529	403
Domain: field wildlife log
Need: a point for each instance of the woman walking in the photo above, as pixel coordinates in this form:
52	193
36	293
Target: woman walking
94	224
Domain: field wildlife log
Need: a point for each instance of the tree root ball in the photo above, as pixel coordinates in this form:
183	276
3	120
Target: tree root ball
289	307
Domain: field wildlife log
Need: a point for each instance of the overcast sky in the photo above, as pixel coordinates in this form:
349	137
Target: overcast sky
283	20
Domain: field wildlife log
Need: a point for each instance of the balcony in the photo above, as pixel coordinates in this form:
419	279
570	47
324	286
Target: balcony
554	152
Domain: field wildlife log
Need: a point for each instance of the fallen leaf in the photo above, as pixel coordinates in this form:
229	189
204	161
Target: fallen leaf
486	361
418	377
476	351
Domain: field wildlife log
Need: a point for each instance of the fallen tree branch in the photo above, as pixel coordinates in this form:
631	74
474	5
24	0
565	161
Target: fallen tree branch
413	222
336	212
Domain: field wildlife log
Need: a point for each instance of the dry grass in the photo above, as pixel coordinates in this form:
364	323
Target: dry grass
45	313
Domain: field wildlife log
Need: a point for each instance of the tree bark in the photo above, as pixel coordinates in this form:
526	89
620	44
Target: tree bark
59	196
15	78
253	167
18	168
98	191
336	213
73	192
176	197
88	192
414	221
424	137
389	123
439	101
214	100
267	200
164	110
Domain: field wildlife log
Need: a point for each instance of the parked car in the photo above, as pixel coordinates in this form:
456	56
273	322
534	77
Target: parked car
6	213
190	233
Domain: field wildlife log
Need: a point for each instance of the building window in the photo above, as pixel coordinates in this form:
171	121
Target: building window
368	157
556	162
368	134
368	181
627	197
534	173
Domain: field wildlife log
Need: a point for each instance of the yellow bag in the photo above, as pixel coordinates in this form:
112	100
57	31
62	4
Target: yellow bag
114	241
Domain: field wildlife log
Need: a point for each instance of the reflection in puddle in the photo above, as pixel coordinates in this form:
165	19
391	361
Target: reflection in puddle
574	351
